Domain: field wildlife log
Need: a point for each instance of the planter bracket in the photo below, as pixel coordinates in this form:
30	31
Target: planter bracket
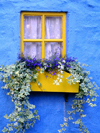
66	97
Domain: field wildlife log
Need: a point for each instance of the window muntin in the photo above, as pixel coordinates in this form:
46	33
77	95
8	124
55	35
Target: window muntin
39	37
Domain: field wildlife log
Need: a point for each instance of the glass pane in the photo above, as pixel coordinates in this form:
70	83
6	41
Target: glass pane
51	48
53	27
32	27
32	50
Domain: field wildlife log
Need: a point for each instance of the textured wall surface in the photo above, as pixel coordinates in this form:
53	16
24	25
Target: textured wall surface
83	40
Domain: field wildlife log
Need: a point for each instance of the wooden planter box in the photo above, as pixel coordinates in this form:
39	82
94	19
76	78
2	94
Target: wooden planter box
48	86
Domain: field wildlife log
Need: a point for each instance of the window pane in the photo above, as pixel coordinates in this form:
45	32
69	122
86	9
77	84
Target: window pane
51	48
32	27
53	27
32	49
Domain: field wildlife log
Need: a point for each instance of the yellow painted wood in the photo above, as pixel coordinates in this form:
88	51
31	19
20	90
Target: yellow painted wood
42	13
64	35
53	40
22	34
43	27
43	36
43	50
32	40
48	86
43	40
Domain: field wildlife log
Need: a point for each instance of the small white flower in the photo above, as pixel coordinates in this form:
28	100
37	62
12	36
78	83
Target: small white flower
60	80
63	61
59	63
61	76
57	83
17	72
61	72
58	66
62	67
58	75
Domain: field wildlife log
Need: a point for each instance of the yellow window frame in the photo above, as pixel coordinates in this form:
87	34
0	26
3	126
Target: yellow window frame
43	40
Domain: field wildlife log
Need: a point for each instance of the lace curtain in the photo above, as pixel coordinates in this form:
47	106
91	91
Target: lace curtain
33	30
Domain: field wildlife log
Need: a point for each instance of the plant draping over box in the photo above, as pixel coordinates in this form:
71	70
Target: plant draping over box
53	76
48	84
66	74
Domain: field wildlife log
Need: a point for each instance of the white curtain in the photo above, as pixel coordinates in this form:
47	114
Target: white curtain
33	30
53	30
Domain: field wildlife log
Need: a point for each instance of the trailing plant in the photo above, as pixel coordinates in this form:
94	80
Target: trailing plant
87	94
17	78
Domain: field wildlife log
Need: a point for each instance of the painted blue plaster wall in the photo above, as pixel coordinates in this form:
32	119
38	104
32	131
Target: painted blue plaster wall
83	42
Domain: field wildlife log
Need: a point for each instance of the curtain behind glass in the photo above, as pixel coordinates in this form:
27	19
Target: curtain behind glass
32	30
32	49
53	30
32	27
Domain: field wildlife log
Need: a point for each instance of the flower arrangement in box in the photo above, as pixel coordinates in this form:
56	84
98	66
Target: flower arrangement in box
52	74
18	77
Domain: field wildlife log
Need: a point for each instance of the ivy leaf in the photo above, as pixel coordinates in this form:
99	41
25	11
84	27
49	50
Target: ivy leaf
21	120
6	116
34	80
77	122
60	131
5	129
10	129
35	112
16	124
61	125
85	89
90	85
66	124
63	129
65	119
30	116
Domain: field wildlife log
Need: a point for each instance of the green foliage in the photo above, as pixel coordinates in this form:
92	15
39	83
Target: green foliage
18	78
87	94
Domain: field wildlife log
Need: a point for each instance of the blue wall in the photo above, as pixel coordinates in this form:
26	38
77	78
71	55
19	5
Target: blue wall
83	40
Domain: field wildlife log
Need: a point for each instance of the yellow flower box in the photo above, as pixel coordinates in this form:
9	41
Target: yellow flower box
47	81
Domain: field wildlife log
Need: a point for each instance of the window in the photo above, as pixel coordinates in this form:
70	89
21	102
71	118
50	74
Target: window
43	34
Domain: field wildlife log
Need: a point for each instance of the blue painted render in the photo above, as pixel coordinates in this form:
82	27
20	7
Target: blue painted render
83	40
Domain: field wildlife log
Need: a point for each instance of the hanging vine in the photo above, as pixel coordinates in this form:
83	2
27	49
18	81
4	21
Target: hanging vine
17	78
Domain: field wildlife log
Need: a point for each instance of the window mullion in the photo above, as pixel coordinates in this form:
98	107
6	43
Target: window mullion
32	40
43	36
22	34
64	34
53	40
